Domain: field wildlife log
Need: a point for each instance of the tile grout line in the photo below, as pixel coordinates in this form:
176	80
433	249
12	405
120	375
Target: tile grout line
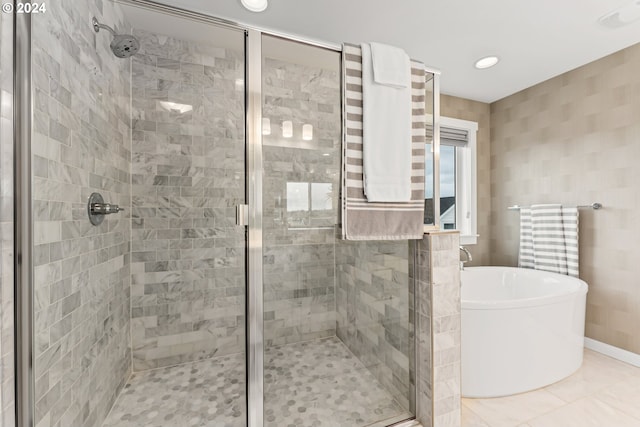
474	413
132	373
115	401
192	362
571	403
635	417
593	394
347	353
590	395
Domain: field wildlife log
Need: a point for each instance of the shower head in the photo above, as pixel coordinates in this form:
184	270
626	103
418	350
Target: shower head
122	45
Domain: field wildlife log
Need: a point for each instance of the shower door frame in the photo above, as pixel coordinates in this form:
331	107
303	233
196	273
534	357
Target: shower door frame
23	264
22	221
254	305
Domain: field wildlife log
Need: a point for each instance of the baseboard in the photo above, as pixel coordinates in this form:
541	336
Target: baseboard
611	351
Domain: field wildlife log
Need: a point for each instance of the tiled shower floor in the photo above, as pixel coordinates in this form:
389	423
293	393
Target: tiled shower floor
315	383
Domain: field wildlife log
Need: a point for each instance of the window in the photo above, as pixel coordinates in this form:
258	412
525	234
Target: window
458	205
309	204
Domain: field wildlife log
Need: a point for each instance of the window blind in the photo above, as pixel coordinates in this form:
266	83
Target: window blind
450	136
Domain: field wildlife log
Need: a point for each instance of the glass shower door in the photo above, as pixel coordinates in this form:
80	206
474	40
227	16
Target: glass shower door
188	303
337	333
140	320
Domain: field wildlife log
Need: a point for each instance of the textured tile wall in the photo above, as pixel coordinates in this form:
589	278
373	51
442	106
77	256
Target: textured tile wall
188	279
423	331
299	242
438	330
81	144
479	112
6	223
374	310
575	139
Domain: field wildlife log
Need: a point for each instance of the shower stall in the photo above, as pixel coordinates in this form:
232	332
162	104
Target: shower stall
217	292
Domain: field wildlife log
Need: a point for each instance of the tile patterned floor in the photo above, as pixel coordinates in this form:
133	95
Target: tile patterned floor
603	393
316	384
194	394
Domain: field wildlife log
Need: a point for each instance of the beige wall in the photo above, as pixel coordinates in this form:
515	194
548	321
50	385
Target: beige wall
464	109
575	139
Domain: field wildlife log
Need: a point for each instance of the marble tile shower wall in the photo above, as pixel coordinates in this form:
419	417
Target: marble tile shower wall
299	241
438	329
375	310
420	271
188	175
6	223
81	144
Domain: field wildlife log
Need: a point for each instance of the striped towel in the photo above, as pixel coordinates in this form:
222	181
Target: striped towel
549	239
525	256
363	220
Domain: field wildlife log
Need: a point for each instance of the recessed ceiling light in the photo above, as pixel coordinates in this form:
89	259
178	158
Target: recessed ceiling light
255	5
622	16
486	62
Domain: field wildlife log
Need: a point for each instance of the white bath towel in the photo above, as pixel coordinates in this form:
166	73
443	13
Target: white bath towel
386	136
390	65
360	218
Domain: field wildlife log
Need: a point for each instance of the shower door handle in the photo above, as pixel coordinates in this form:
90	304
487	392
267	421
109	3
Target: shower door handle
242	215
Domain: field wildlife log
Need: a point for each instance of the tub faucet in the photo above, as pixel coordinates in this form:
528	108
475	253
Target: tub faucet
467	254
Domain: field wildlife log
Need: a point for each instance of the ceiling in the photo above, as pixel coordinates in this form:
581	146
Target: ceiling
535	40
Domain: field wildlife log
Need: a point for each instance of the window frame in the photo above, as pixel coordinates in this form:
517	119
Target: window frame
466	182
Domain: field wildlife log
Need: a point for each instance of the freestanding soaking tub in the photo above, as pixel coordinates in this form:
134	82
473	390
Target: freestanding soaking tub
521	329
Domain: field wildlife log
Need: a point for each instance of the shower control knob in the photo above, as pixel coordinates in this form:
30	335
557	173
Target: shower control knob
97	209
105	208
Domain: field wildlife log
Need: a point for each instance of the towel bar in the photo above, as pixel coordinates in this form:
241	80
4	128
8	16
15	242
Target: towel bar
594	206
